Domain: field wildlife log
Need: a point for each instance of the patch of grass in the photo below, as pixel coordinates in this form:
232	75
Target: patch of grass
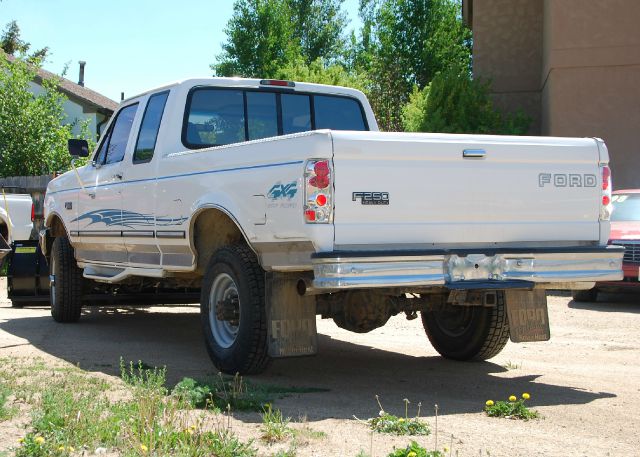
73	411
275	427
233	393
6	412
415	450
514	408
388	423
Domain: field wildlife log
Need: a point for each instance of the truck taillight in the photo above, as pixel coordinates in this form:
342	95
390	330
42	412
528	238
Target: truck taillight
318	192
33	212
605	207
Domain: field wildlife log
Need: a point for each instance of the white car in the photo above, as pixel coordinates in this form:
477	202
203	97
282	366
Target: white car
279	200
16	215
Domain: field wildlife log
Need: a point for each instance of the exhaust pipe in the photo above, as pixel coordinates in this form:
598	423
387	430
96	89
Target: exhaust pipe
305	287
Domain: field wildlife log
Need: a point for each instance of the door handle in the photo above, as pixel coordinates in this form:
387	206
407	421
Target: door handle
118	176
474	153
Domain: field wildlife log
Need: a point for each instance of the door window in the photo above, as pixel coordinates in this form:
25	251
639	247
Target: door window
114	144
149	127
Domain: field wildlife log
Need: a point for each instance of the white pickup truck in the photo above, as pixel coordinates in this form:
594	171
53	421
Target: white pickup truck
277	201
16	215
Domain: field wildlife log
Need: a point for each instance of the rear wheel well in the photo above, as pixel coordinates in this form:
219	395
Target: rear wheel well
213	229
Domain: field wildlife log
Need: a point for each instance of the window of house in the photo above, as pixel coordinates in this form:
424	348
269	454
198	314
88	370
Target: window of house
149	127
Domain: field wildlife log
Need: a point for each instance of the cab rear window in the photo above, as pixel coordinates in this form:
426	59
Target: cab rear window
219	116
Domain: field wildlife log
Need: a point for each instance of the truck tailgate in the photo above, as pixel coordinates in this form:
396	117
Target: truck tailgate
422	190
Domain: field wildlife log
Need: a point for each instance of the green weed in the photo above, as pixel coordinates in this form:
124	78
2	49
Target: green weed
514	408
388	423
415	450
275	427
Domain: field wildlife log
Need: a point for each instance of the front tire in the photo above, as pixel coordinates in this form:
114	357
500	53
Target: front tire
66	282
468	332
232	311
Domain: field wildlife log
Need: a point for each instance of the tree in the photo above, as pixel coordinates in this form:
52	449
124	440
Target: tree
405	43
33	136
12	43
264	36
321	73
454	102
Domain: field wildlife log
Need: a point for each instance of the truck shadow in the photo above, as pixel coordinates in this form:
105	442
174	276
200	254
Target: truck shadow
349	374
611	303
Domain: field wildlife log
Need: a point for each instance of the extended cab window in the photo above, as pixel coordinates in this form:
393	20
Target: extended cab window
215	117
114	143
148	134
338	113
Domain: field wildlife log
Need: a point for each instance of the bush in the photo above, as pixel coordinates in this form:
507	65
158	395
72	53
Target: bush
454	102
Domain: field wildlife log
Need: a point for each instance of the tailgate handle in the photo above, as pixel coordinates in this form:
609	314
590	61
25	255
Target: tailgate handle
474	153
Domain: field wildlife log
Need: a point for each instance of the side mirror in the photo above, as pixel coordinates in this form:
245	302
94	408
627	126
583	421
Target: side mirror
78	148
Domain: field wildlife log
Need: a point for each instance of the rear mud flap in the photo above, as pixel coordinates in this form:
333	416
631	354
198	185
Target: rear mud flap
528	315
291	318
28	274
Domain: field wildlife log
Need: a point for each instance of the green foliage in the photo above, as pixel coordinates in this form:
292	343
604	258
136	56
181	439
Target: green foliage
415	450
405	43
514	408
264	36
33	136
195	394
12	43
321	73
454	102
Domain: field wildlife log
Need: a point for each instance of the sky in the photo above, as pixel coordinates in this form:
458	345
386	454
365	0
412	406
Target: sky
130	46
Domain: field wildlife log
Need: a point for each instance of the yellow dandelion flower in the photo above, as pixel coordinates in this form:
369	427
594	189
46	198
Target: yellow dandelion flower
39	440
61	449
70	449
143	448
411	454
190	432
193	427
20	440
526	396
512	398
489	403
401	419
445	449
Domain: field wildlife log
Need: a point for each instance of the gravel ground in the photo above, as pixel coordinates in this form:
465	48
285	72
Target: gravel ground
585	381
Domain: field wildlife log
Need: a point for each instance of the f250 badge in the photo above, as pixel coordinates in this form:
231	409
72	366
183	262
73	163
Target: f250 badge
371	198
281	191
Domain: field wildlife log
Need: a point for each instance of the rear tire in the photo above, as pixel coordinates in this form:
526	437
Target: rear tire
66	282
238	344
468	332
588	296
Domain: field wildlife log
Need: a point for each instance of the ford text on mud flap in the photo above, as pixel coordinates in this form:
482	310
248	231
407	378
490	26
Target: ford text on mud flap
275	202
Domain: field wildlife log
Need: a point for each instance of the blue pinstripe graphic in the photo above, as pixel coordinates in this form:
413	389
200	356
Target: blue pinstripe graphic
195	173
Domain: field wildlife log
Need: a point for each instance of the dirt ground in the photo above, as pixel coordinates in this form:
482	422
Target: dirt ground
585	381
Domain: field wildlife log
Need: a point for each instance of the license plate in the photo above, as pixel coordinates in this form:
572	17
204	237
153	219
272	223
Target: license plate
528	315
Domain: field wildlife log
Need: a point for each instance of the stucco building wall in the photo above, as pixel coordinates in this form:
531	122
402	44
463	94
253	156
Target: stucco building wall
572	65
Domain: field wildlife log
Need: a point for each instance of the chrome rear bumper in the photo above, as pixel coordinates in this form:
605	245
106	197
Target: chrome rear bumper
511	268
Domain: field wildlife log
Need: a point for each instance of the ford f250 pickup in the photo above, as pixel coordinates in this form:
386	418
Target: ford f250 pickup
16	219
278	201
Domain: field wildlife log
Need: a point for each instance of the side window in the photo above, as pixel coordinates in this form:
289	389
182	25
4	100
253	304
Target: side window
114	145
215	117
296	113
146	143
262	115
338	113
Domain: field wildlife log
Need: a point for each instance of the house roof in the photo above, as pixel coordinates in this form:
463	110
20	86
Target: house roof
89	99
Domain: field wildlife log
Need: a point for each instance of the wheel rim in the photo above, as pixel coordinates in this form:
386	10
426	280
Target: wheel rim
454	322
223	289
52	280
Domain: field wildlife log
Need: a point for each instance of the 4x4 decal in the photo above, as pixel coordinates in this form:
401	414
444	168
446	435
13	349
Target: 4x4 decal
281	191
